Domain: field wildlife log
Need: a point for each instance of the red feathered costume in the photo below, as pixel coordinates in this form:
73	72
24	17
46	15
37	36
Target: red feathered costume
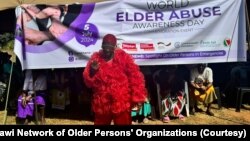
117	85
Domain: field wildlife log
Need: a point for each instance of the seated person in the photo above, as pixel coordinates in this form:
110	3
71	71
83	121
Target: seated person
143	111
171	90
201	89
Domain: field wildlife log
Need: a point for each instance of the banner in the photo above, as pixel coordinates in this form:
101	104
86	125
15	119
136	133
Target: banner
154	32
14	3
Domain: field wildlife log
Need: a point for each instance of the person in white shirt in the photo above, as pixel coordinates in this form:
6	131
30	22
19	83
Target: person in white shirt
201	87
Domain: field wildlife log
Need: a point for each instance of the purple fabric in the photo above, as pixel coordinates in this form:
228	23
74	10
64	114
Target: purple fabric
28	110
23	112
40	99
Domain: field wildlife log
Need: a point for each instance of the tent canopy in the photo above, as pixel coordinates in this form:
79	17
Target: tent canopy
14	3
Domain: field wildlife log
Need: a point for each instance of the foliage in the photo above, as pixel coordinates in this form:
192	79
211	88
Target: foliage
7	45
7	41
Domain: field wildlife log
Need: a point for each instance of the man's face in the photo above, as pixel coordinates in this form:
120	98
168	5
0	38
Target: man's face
108	51
201	68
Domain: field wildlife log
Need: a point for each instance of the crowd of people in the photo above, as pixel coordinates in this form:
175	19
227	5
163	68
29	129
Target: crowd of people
122	90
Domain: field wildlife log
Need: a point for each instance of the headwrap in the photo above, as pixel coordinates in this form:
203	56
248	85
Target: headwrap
202	64
109	39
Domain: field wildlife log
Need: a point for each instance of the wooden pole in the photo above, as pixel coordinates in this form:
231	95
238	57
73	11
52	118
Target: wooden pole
8	93
36	110
248	28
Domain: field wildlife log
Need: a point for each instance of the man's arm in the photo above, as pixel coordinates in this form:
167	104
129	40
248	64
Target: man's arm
209	79
89	73
136	80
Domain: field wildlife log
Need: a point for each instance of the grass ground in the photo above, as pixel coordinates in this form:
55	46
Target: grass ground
76	116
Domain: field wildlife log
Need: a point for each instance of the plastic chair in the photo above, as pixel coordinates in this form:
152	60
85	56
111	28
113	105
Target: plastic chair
218	94
244	87
240	93
186	96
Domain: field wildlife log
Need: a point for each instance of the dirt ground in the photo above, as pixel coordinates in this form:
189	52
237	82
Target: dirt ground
224	116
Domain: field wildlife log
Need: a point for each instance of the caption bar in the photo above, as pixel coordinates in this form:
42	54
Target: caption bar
202	133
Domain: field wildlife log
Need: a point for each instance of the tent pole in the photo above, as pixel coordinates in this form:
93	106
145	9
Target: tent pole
248	27
35	103
36	108
7	97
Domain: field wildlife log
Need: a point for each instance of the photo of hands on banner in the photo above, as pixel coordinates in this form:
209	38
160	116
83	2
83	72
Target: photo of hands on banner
153	32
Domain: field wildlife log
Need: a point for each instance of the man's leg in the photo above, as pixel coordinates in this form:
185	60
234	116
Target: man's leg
42	114
123	118
199	106
103	119
191	101
209	112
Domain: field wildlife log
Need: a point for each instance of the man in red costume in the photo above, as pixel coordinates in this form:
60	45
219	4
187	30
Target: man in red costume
117	83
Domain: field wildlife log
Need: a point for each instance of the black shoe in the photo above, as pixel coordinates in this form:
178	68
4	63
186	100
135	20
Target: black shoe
209	112
152	119
198	110
192	112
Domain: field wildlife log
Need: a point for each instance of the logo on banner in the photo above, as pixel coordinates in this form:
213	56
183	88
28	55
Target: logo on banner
227	42
162	45
209	43
71	56
186	44
129	46
147	46
87	34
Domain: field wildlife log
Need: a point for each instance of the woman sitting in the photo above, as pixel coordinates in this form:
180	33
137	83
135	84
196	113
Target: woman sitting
201	89
171	90
142	111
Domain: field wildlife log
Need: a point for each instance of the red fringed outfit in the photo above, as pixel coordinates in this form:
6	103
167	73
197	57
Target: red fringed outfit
117	85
